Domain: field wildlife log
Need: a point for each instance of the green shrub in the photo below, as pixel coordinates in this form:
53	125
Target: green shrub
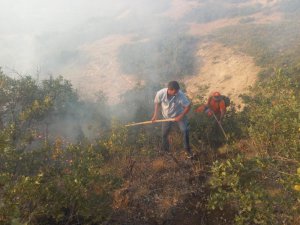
256	190
57	185
273	117
260	186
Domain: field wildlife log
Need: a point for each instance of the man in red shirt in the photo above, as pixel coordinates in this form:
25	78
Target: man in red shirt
216	108
216	105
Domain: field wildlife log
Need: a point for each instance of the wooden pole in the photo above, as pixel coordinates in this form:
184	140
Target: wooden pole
220	125
150	122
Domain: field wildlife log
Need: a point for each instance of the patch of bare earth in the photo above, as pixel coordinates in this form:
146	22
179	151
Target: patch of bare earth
223	69
167	189
156	191
102	71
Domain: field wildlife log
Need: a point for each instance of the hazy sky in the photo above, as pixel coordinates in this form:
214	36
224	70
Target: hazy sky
31	31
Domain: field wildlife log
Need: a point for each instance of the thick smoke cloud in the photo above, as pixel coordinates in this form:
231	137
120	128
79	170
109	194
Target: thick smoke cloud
51	37
42	35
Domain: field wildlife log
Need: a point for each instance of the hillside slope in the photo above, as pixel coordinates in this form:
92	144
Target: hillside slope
222	69
102	72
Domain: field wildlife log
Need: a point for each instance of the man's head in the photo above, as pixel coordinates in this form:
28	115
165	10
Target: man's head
217	96
173	88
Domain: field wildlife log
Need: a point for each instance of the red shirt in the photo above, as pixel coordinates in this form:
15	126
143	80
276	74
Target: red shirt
216	106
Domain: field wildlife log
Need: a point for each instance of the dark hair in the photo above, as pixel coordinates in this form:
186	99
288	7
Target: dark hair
173	85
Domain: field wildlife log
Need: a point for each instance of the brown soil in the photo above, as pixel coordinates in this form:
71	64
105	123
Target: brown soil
223	69
167	189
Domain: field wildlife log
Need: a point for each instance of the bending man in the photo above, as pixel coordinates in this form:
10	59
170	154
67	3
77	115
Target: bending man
174	104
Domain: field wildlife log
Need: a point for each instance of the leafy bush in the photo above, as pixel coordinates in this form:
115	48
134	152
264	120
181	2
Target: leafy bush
256	190
47	180
261	188
273	114
56	185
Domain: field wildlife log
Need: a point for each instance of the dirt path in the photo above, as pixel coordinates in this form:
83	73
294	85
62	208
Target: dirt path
223	69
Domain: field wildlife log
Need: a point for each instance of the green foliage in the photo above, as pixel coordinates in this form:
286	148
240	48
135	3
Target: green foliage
56	185
258	192
61	92
237	183
263	189
39	111
207	129
25	104
45	181
273	116
122	142
56	182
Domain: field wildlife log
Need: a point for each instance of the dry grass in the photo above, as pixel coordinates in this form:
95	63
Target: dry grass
223	69
164	189
158	165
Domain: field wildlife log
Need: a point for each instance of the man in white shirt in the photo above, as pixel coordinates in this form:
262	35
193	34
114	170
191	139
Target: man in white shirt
174	104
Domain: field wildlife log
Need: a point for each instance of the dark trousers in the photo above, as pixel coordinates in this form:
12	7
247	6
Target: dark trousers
184	128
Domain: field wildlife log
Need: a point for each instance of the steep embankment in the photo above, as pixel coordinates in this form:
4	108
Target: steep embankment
222	69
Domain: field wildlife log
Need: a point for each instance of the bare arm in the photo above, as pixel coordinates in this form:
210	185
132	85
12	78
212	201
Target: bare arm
186	110
155	114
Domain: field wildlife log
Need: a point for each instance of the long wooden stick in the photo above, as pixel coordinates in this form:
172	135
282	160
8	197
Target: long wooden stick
220	125
150	122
